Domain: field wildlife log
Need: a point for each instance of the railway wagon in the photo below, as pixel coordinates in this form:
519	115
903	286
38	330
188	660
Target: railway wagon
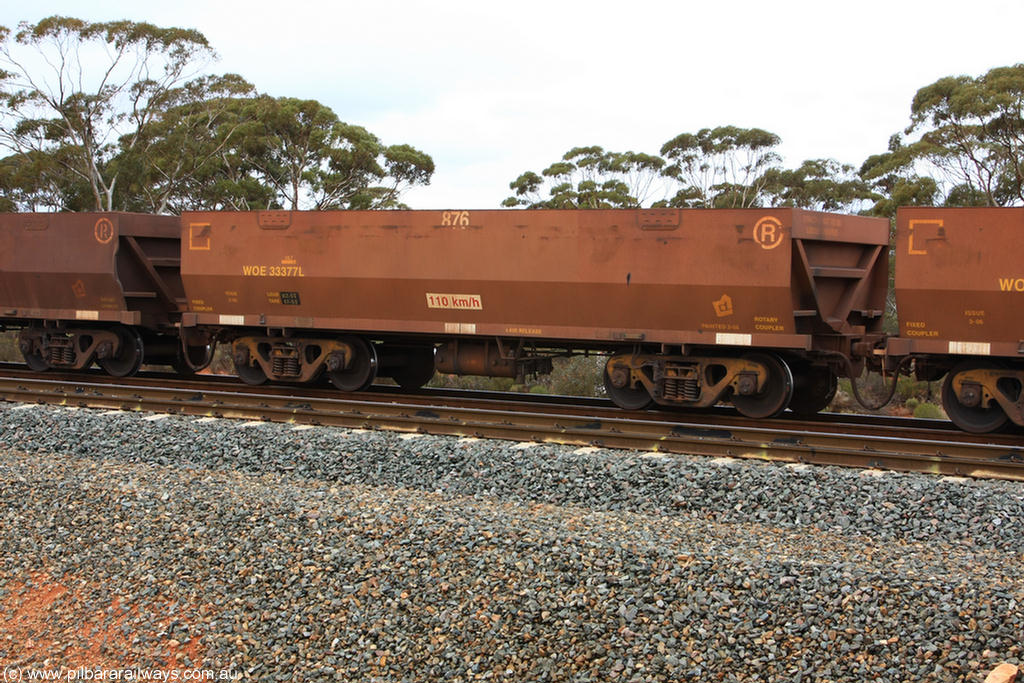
91	287
762	307
959	291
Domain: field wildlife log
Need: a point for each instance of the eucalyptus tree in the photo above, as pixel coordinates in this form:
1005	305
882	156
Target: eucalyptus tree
178	161
308	158
721	167
75	94
818	184
964	144
896	182
590	178
119	115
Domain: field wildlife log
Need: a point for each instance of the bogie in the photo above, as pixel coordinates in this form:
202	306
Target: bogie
758	384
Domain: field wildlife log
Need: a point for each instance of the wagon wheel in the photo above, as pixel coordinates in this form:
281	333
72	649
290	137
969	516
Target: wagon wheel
814	387
185	363
181	368
35	360
626	397
129	356
974	419
362	369
417	370
251	374
777	392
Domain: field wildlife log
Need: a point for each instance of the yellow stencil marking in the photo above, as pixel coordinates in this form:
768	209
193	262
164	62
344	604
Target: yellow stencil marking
768	232
723	307
104	231
910	241
199	237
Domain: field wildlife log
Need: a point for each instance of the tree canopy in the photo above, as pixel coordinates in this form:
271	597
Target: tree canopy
121	115
590	178
819	184
720	167
69	119
124	115
964	145
724	167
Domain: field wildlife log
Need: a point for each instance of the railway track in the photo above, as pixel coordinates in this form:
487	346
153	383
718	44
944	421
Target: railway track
856	441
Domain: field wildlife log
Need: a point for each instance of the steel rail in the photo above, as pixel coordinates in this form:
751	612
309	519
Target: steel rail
863	422
885	446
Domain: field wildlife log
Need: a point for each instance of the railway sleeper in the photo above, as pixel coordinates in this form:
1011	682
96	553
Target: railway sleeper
758	384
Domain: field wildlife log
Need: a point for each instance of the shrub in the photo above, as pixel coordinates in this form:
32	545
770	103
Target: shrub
577	376
472	382
9	352
908	388
929	411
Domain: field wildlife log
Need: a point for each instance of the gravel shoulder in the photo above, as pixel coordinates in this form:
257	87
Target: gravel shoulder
328	554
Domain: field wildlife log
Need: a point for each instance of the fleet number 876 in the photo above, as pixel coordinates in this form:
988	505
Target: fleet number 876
455	218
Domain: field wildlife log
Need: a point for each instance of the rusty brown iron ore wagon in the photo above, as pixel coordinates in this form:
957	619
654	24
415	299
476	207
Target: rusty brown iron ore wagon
959	288
695	306
92	287
760	307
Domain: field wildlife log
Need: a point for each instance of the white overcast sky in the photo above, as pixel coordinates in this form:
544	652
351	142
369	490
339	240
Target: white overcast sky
491	89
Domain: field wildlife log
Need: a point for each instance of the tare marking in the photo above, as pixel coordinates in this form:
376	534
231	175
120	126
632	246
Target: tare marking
458	302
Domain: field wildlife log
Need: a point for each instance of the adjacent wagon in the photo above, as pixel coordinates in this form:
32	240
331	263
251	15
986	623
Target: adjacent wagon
959	292
92	287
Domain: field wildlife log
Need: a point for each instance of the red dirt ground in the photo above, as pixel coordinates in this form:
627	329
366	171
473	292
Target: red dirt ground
51	625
